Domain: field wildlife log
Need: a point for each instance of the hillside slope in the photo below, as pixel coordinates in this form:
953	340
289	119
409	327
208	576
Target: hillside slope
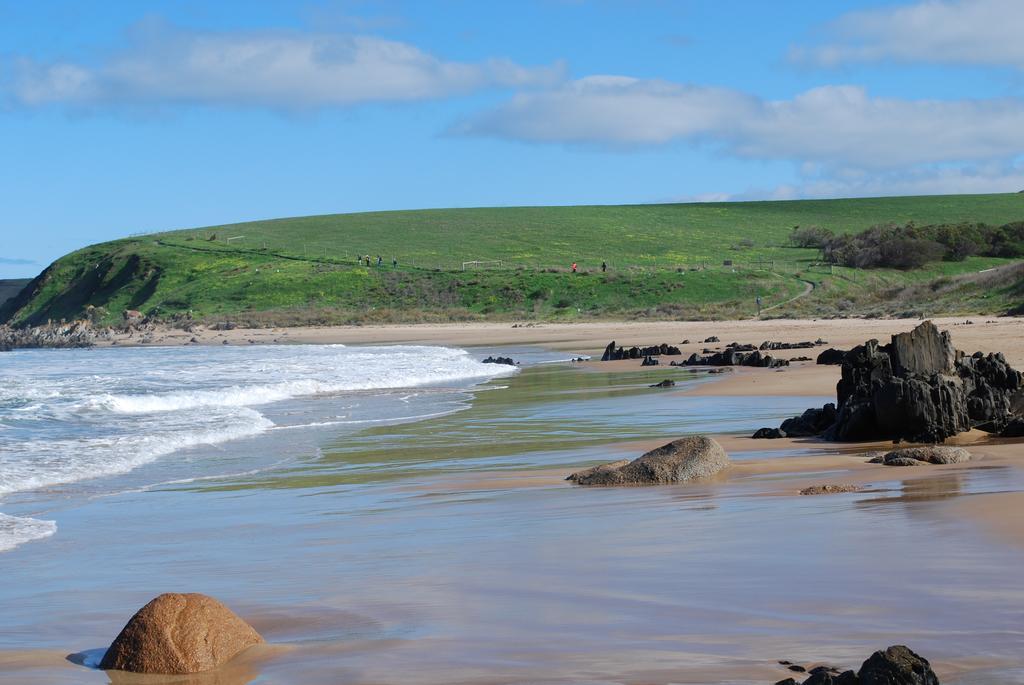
667	261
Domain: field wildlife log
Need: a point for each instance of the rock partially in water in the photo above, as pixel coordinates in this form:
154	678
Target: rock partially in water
901	461
667	383
679	461
897	665
832	677
933	454
829	489
500	360
812	422
179	634
601	468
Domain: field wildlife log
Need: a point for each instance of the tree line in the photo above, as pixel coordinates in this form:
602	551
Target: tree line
909	246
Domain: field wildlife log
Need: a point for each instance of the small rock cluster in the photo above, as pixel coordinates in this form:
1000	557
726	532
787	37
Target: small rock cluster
896	665
733	357
613	353
500	360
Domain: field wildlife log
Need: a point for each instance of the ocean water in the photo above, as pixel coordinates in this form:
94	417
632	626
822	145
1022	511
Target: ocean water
399	514
81	417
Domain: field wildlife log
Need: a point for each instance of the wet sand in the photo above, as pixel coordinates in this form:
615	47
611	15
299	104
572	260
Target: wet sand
452	550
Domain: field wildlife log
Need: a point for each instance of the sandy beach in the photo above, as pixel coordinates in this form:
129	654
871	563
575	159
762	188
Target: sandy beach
450	548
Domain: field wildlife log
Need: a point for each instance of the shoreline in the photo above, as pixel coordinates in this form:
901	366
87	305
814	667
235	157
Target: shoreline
594	336
773	479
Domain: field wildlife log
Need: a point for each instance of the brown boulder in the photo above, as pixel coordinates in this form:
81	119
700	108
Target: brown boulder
601	468
179	634
677	462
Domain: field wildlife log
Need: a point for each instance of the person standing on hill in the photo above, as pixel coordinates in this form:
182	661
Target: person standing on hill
574	267
380	260
604	266
367	261
394	262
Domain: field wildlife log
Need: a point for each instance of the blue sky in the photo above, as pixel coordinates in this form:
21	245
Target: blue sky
123	117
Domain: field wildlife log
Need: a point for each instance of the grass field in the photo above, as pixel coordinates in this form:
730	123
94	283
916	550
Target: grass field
665	261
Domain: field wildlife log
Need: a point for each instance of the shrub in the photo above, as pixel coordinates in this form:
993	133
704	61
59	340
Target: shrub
909	246
811	236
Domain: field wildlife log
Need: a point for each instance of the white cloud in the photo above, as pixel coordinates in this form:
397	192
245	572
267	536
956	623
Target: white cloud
614	110
834	126
972	32
972	179
280	70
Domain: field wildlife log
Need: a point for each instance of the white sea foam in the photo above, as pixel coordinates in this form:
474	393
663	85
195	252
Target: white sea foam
69	416
16	530
44	463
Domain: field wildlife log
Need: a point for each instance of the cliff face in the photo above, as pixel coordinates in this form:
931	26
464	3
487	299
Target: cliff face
66	288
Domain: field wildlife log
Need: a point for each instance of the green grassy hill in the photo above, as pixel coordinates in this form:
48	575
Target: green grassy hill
665	261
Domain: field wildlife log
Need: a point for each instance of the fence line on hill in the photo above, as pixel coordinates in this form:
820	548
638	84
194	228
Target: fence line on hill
325	255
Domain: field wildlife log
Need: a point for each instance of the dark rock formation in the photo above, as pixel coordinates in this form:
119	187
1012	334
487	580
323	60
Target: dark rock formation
832	356
772	345
731	357
1013	429
665	384
613	353
677	462
920	389
500	360
62	335
649	361
832	677
712	339
897	665
812	422
178	634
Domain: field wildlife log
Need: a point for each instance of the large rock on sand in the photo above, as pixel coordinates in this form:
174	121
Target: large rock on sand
179	634
919	388
897	665
679	461
933	454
